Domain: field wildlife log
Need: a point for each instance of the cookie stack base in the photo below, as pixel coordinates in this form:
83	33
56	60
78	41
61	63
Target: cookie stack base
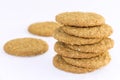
68	65
59	63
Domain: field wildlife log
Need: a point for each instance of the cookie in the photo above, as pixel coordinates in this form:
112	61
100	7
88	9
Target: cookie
25	47
43	28
99	47
63	50
59	63
80	19
101	31
92	63
60	35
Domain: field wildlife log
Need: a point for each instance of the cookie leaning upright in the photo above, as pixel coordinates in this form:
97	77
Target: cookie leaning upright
83	42
80	19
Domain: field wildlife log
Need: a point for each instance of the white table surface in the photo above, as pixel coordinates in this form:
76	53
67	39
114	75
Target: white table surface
17	15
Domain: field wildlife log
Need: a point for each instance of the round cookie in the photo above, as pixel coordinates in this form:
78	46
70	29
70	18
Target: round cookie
60	35
80	19
92	63
43	28
101	31
59	63
25	47
63	50
99	47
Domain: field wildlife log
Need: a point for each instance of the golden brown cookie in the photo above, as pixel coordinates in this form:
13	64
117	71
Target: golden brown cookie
92	63
59	63
63	50
60	35
80	19
43	28
101	31
99	47
26	47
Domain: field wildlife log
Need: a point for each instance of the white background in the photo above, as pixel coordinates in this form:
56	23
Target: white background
17	15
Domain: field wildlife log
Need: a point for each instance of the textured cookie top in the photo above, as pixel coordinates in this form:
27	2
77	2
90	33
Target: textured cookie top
60	35
65	51
99	47
80	19
101	31
43	28
59	63
25	47
95	62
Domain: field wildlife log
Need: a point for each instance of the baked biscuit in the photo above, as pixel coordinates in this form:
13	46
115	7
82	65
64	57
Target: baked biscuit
99	47
26	47
101	31
92	63
63	50
60	35
80	19
59	63
43	28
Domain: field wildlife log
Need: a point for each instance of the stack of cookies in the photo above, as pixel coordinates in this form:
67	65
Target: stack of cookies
83	42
